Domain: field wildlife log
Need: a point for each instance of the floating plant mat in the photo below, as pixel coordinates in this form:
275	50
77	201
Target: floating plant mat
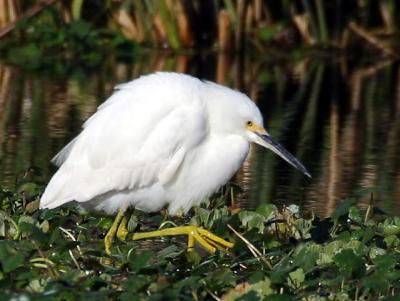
278	255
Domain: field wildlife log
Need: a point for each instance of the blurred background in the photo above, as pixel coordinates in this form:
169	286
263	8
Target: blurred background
325	75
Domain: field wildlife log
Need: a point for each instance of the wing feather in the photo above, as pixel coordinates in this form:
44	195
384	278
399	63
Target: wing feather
59	159
131	142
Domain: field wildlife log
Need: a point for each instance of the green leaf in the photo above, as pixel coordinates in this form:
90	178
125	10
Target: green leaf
200	217
267	210
391	230
28	189
350	265
386	262
105	223
375	251
354	214
267	33
377	282
139	261
135	283
132	223
12	262
80	29
252	220
171	251
306	256
45	226
296	278
190	282
392	241
221	277
32	231
4	252
28	54
256	277
343	208
293	209
26	219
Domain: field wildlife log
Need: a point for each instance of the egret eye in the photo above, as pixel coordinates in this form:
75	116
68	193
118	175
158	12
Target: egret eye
249	123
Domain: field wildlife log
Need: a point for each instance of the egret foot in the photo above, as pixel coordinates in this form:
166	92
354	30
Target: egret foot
118	226
205	238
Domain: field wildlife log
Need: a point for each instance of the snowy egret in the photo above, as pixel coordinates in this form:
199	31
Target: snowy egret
162	140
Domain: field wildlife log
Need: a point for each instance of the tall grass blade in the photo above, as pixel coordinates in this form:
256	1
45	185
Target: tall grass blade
169	24
77	9
322	26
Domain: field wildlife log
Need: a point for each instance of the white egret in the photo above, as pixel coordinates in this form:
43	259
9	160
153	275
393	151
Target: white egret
162	140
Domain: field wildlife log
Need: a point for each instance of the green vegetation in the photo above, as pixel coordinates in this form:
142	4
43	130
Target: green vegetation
278	255
88	28
49	43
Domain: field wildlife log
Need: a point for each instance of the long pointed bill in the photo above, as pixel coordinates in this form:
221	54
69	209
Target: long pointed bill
266	141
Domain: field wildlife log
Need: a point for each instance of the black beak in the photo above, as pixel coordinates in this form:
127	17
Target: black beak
268	142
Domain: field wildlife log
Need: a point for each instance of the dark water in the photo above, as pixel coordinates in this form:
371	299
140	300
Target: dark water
340	119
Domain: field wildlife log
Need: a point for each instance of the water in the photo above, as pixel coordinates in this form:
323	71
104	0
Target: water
341	120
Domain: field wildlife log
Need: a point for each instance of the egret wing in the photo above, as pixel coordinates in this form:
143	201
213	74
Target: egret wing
130	143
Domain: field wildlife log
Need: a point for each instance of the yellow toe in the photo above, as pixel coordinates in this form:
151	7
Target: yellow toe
205	238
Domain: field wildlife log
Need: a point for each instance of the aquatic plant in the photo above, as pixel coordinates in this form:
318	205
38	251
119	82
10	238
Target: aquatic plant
280	254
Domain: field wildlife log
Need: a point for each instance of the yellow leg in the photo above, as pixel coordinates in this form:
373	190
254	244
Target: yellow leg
205	238
122	231
111	233
191	242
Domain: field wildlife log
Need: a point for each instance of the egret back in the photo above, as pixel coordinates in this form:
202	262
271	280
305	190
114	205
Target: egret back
138	137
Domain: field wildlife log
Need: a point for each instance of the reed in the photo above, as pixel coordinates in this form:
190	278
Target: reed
10	11
240	24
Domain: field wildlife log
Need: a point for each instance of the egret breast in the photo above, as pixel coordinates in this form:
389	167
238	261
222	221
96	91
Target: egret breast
205	170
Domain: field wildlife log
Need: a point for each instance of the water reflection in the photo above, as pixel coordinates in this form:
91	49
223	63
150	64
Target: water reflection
342	121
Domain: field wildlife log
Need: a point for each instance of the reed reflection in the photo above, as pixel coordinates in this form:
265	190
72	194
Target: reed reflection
340	120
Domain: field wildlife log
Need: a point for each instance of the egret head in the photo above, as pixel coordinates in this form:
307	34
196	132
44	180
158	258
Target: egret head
257	134
232	112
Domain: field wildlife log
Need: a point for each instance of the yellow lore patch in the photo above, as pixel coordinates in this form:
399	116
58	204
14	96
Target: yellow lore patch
255	128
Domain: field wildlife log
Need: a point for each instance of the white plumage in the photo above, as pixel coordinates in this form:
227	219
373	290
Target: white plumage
163	140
